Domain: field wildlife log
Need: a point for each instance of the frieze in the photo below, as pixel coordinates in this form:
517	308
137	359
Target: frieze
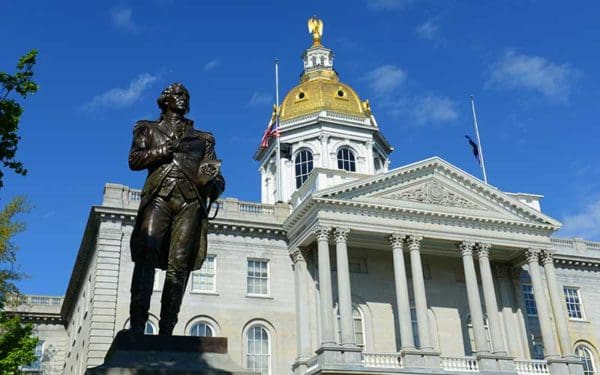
434	193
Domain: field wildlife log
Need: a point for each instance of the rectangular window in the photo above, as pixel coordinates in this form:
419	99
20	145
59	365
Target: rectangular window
574	305
529	299
203	280
258	277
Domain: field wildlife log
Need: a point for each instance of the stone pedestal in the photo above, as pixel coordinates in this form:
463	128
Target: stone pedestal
417	359
166	355
565	366
496	362
336	354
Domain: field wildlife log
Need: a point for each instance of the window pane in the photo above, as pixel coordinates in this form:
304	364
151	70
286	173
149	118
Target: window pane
303	165
202	329
346	160
258	277
529	299
258	350
588	360
203	280
573	300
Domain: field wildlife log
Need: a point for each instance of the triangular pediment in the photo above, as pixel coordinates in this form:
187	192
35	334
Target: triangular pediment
436	187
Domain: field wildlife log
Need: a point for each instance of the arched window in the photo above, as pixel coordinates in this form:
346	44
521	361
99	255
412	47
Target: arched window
346	160
304	165
587	358
202	329
150	329
259	350
359	327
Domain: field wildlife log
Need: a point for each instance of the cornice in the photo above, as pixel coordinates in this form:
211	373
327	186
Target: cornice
377	209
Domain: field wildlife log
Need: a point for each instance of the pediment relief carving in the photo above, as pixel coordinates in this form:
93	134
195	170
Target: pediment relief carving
433	193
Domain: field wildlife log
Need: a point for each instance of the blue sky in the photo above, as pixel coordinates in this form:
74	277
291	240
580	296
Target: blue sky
532	66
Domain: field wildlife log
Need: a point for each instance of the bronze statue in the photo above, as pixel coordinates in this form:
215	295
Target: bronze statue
171	226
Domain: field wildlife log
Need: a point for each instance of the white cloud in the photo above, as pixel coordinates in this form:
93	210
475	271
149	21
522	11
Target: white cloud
122	97
534	73
422	110
385	78
260	98
382	5
122	20
212	64
585	224
429	30
432	109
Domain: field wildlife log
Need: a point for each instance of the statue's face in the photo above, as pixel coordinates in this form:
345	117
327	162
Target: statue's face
179	100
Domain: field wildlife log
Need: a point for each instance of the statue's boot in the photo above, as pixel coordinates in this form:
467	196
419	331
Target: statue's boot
175	283
142	284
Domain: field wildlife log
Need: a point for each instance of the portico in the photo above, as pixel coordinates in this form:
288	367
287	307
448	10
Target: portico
412	244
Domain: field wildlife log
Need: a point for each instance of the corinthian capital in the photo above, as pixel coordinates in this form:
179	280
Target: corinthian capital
414	241
483	249
297	256
397	239
341	234
532	255
547	256
466	248
322	232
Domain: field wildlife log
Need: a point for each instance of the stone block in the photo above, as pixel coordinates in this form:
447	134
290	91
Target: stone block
165	355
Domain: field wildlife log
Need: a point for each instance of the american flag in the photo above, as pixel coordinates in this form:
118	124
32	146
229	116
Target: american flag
272	130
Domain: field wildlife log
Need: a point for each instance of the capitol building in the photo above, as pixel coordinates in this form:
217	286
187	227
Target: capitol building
346	266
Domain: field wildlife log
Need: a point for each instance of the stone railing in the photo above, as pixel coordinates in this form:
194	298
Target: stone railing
531	367
382	360
466	364
121	196
576	247
44	300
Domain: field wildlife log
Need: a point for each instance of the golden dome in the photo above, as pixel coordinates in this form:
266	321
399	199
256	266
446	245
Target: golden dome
323	92
320	87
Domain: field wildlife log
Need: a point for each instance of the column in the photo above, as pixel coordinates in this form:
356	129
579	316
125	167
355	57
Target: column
550	350
558	304
512	331
489	297
414	246
344	292
466	250
402	302
325	292
302	312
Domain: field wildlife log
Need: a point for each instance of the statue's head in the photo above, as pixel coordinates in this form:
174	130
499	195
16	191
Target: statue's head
175	98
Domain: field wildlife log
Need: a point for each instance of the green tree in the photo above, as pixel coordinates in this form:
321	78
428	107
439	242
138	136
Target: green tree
17	344
22	84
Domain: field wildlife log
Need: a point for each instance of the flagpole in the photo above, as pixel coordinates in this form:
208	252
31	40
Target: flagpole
478	139
278	146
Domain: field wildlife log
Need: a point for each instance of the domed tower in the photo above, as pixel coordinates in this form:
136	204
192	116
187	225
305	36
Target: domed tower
327	134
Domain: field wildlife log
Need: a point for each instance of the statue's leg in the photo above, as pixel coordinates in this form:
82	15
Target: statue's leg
184	245
152	232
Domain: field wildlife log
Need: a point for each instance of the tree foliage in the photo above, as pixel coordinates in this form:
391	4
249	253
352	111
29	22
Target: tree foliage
22	84
9	227
17	344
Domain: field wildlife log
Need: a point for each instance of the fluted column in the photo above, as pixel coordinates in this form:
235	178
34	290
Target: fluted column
466	250
512	331
550	350
558	304
302	312
344	292
325	292
414	246
402	301
489	297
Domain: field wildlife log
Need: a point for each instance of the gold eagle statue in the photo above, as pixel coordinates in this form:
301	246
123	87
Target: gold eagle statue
315	28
